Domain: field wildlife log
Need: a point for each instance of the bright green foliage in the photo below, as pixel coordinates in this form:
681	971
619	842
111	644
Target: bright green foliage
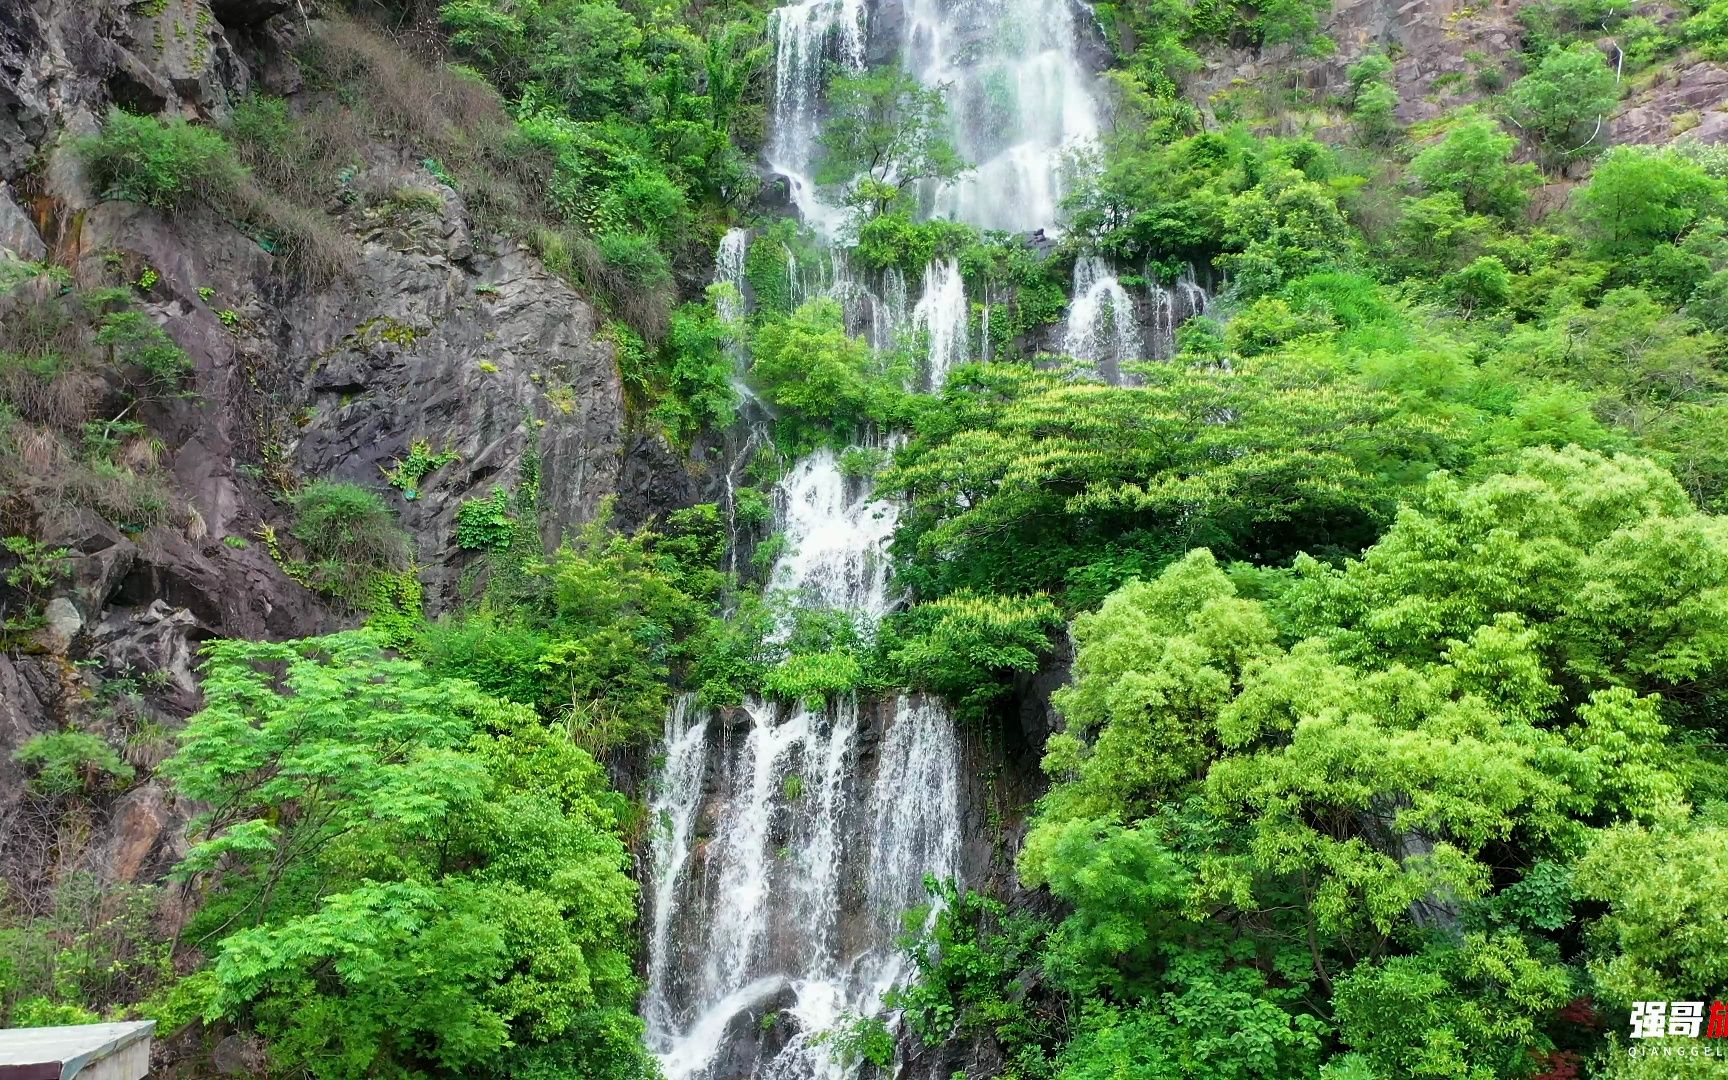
1347	757
885	132
1374	100
1474	160
1667	925
1027	479
701	370
1265	210
72	763
1638	199
814	677
165	163
348	535
1483	285
966	967
36	568
406	474
487	524
965	645
1471	1010
591	635
1564	100
825	379
896	240
404	876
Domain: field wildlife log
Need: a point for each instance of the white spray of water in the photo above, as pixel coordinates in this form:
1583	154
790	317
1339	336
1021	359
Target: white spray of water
1101	328
807	35
941	315
1021	102
775	924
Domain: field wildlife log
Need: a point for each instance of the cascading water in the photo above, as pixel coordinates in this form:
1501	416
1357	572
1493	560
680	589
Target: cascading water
729	302
790	905
1101	327
808	35
941	317
1020	103
790	841
1170	309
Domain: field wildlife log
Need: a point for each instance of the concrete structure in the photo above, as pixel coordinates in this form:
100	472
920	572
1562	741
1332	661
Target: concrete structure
84	1051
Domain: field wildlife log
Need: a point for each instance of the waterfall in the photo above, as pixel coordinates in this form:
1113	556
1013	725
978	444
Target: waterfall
836	542
791	907
941	315
791	840
807	36
729	270
1101	328
1170	308
672	816
1020	103
729	305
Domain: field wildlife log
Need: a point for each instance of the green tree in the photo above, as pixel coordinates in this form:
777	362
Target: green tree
1389	780
1564	101
1474	160
1639	198
1030	479
885	133
965	645
826	379
403	877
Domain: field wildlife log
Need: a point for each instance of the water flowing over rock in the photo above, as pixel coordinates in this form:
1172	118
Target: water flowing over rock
789	840
808	36
1170	308
941	315
1101	328
1021	101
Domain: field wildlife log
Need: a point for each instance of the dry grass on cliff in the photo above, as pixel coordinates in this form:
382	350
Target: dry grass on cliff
376	94
65	439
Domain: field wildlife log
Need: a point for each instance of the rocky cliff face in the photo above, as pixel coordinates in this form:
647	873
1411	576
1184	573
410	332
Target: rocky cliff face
432	331
1446	54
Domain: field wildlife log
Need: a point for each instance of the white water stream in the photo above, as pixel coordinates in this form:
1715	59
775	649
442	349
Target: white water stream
789	841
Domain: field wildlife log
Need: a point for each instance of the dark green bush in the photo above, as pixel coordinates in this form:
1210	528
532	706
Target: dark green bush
167	164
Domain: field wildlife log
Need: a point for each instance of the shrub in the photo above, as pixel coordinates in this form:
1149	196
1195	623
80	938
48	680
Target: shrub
72	763
1565	98
486	524
167	164
964	645
348	535
1475	161
36	570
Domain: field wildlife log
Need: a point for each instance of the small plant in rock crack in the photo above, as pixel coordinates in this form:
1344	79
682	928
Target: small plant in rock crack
422	461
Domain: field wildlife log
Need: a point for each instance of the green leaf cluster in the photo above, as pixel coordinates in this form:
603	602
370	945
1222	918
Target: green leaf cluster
403	876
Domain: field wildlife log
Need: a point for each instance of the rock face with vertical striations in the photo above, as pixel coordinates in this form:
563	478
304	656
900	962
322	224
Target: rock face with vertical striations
432	332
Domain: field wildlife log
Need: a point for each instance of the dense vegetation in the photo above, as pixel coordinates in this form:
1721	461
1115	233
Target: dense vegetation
1394	740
